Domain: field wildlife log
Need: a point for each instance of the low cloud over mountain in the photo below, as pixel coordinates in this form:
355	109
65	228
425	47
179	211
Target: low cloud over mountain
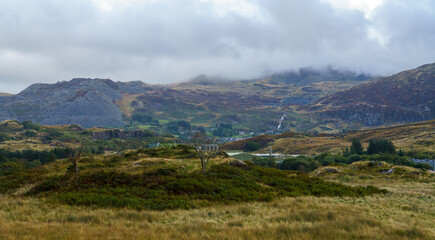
170	40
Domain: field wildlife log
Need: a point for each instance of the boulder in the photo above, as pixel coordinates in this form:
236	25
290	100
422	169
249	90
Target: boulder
239	164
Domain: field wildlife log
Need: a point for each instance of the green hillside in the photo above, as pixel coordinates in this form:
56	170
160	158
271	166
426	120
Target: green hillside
413	137
114	194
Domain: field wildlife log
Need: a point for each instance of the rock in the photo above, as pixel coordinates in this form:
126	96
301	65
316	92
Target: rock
401	98
239	164
389	171
87	102
327	170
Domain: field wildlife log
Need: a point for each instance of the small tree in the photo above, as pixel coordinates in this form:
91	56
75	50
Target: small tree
29	125
381	146
400	153
74	154
356	147
205	149
252	146
30	133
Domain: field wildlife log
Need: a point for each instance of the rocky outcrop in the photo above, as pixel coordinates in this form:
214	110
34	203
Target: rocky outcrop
402	98
373	115
83	101
256	104
239	164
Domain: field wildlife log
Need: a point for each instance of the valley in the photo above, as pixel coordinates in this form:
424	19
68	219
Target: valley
152	183
217	120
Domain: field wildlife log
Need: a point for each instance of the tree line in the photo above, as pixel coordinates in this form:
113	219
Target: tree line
13	161
378	150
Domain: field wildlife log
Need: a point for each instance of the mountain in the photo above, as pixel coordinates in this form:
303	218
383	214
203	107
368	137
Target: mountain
405	97
88	102
250	104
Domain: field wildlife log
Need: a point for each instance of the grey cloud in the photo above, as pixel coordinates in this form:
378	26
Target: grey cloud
409	28
172	40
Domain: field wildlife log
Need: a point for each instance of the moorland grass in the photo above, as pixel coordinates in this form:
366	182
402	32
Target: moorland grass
165	188
405	212
372	217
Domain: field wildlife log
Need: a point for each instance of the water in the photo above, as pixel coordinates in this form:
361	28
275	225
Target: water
280	121
430	161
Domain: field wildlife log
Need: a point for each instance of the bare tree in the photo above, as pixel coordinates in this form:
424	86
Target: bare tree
205	148
74	154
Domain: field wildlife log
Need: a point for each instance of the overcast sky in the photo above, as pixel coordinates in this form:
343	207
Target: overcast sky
163	41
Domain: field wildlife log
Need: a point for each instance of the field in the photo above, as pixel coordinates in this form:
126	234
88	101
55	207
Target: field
407	211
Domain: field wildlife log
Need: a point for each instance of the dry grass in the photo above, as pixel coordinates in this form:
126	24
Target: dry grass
309	145
408	212
413	136
30	143
125	103
392	217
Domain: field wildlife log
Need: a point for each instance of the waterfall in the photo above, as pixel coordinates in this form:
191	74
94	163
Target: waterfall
280	121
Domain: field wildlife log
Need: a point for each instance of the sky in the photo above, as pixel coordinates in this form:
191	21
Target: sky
167	41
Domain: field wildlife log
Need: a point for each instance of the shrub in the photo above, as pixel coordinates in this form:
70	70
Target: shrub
29	125
3	137
53	132
354	158
381	146
301	163
143	118
179	151
30	133
252	146
16	180
264	162
9	168
168	189
426	166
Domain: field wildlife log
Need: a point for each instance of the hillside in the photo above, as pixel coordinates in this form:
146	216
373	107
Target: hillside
251	104
161	192
115	194
325	101
16	136
408	137
401	98
88	102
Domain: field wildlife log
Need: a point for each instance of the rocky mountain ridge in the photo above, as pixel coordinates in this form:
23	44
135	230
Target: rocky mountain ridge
204	101
88	102
307	100
405	97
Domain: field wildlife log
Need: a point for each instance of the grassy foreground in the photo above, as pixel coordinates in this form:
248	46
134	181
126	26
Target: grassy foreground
407	211
399	215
